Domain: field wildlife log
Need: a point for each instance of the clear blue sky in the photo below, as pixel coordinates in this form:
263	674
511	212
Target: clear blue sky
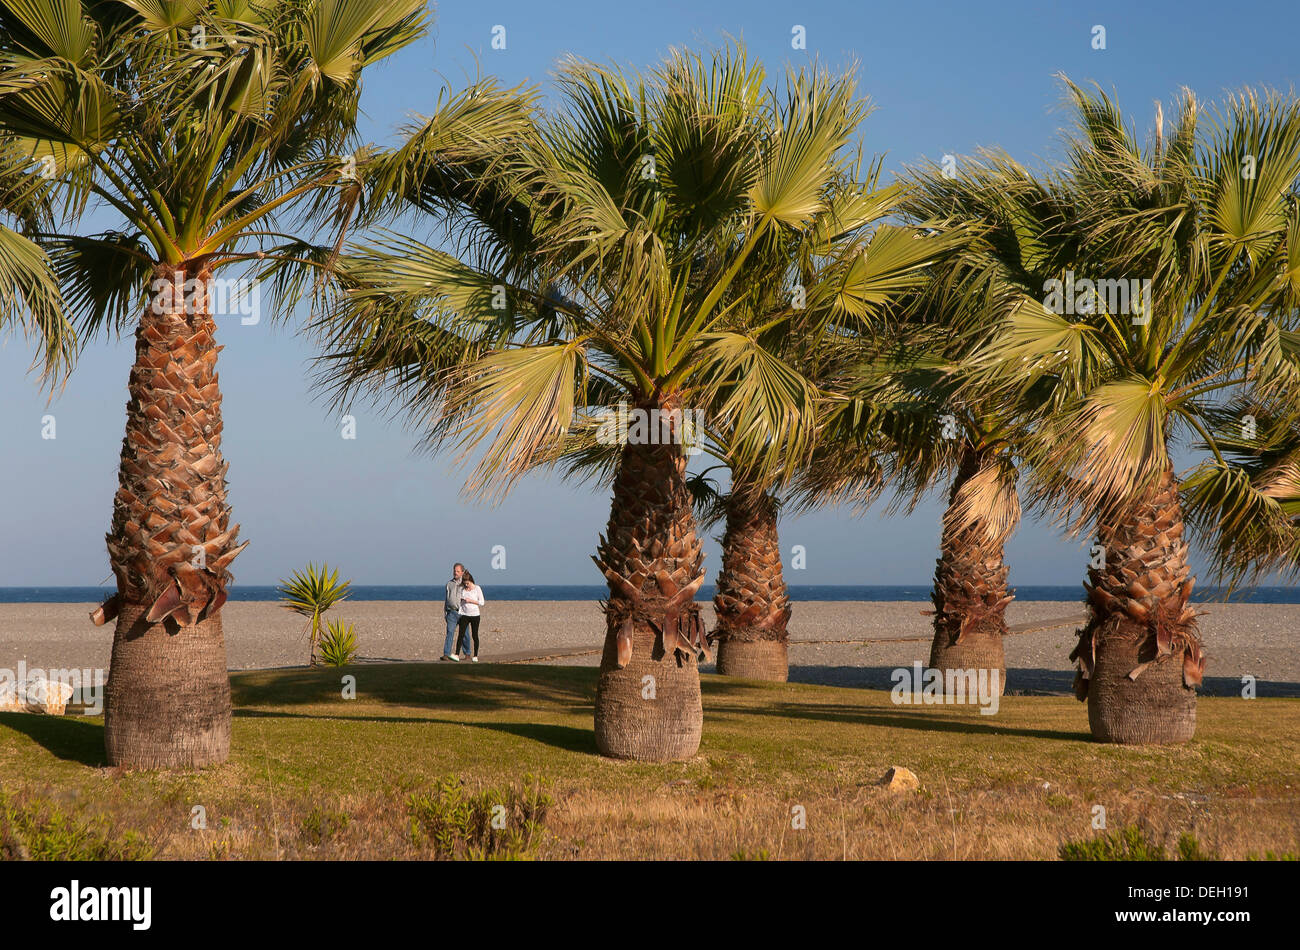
946	77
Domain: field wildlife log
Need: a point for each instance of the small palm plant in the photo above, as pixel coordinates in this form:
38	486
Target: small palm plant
311	593
339	644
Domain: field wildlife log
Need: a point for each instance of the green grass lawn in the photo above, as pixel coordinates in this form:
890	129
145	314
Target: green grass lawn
414	765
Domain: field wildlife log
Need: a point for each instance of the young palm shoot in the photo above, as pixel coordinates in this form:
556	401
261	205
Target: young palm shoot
310	593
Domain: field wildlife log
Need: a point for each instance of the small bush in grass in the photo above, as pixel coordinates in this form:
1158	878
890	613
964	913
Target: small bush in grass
1127	844
339	645
321	824
37	829
1189	849
1132	843
490	825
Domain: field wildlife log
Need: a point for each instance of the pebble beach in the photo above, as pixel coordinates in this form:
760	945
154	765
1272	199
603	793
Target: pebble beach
1241	639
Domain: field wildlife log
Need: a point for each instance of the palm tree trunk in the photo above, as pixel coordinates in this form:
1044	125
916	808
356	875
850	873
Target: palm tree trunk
970	593
1140	654
648	695
167	701
751	603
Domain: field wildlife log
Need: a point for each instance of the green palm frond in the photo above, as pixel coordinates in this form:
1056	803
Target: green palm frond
894	261
707	498
105	277
1105	450
820	115
647	234
205	128
29	297
763	399
29	291
313	591
516	405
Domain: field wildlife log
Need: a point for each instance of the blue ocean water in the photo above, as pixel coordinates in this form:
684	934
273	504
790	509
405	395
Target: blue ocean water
805	592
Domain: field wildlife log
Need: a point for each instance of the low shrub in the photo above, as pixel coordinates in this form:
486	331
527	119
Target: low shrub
1133	843
35	829
491	825
320	825
339	645
1127	844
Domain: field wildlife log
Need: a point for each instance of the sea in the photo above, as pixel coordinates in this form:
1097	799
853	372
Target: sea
589	592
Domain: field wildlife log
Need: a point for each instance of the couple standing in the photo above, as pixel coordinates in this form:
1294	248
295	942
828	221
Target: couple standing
464	598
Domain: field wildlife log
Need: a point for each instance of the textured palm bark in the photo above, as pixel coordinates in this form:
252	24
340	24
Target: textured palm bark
1140	655
751	602
167	701
970	594
648	695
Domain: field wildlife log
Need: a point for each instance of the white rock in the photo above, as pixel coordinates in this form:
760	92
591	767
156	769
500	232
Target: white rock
48	696
899	779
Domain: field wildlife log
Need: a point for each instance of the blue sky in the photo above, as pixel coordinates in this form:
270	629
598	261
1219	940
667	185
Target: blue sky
944	77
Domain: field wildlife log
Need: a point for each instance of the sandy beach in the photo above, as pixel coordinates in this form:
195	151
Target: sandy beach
1240	639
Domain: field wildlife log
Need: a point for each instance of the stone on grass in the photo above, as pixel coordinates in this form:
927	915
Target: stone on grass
899	779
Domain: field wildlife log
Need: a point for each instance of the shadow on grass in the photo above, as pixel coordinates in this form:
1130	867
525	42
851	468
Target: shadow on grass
422	684
569	738
71	738
570	688
1030	680
852	712
898	718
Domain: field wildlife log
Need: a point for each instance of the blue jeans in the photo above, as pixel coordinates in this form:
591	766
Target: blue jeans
453	618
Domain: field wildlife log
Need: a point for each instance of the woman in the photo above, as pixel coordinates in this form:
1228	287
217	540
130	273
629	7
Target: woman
471	599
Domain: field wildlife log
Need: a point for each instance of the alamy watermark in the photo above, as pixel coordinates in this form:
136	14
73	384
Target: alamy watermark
131	904
219	296
929	687
623	426
51	690
1118	296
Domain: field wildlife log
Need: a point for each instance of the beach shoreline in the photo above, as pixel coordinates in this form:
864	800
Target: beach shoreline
1241	639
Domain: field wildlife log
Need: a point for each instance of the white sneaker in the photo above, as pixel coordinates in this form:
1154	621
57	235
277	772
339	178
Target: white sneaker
474	659
454	658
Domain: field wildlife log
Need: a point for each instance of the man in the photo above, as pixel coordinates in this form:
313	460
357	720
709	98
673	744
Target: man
451	607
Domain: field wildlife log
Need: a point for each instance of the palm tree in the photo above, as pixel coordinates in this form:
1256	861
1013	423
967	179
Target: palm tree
851	272
201	127
1158	289
797	294
609	235
899	420
751	601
